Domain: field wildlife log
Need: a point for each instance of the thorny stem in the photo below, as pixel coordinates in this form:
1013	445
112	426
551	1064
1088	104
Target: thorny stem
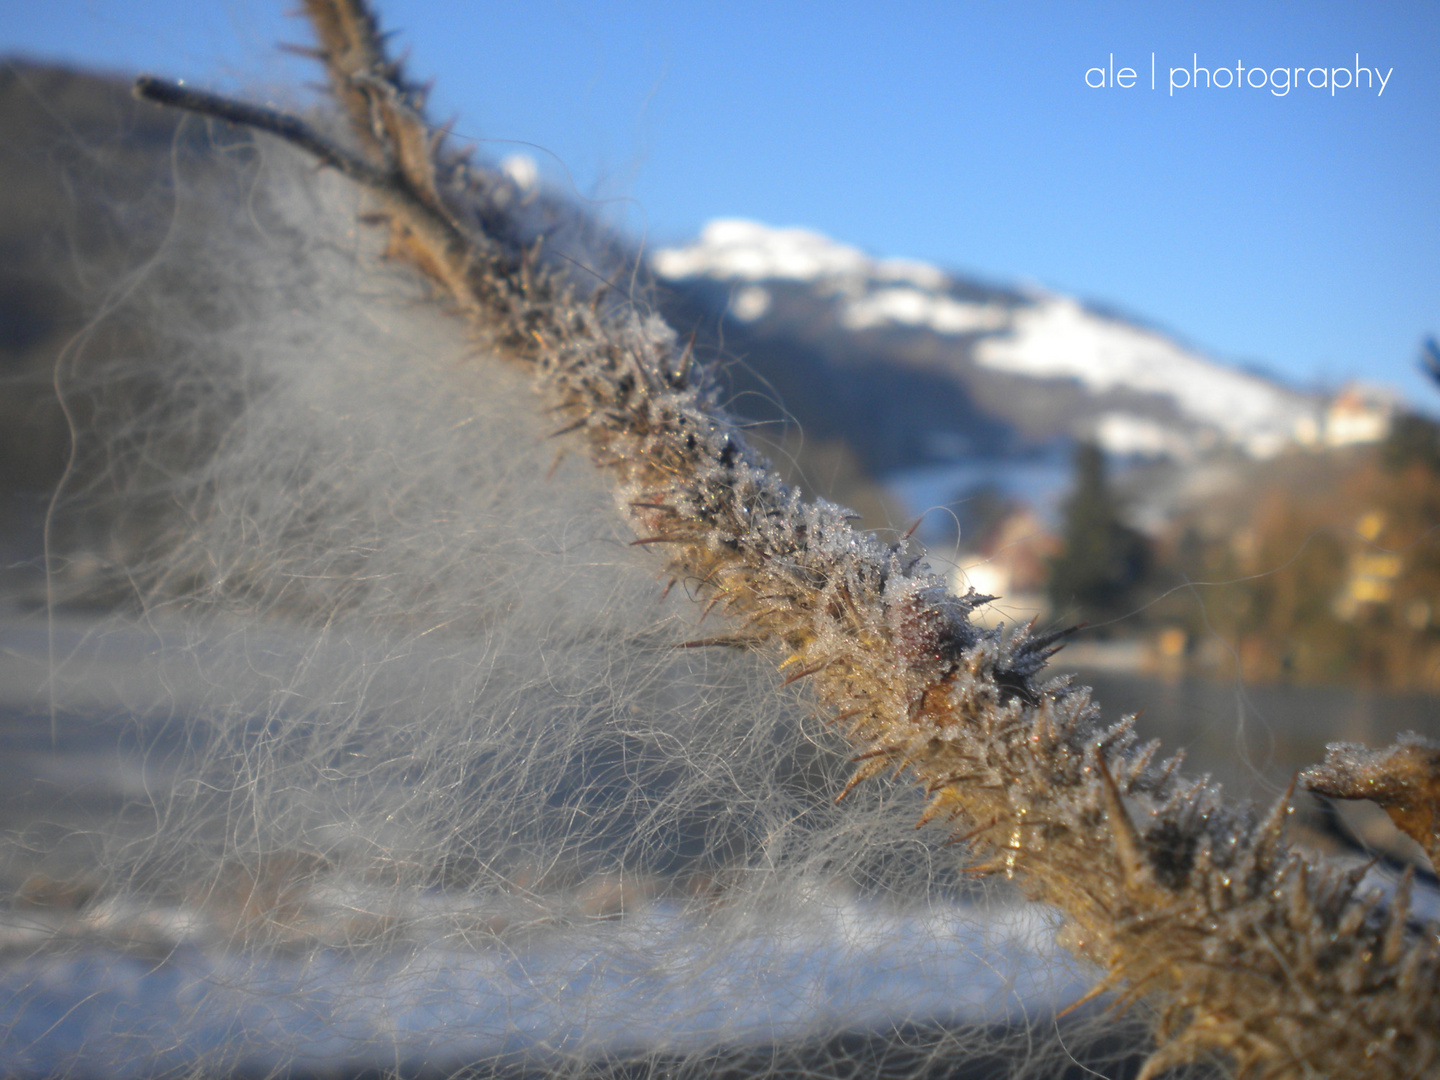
291	129
1404	779
1250	952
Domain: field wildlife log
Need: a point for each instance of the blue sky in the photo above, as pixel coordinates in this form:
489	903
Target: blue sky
1300	231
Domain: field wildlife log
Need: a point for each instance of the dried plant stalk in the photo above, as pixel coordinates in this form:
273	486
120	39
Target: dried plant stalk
1250	952
1404	779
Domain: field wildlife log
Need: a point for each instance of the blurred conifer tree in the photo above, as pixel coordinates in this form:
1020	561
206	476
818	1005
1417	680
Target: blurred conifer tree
1104	559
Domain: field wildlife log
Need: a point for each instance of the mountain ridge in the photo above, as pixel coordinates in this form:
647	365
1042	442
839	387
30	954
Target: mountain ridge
1044	365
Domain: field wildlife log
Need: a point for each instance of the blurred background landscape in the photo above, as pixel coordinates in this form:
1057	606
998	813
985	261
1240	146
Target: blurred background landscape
1257	563
1072	461
1149	361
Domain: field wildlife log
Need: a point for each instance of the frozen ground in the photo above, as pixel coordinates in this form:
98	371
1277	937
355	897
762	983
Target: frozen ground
655	982
355	973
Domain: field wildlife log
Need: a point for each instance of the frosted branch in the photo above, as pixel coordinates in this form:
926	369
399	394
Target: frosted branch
1249	950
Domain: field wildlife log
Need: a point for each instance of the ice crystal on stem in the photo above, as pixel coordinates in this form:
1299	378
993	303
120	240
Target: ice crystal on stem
1404	779
1250	952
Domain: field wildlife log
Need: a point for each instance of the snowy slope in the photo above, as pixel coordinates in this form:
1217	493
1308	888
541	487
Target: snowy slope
1027	335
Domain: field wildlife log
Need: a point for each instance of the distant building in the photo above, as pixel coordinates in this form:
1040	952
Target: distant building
1012	561
1372	574
1359	414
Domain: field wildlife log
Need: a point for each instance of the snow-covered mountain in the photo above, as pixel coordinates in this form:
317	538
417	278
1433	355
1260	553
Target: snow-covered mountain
1035	364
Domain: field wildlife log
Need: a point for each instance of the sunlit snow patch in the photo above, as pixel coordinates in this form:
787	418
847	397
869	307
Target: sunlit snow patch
658	981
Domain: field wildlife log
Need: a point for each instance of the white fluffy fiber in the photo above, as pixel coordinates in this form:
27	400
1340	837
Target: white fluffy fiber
421	770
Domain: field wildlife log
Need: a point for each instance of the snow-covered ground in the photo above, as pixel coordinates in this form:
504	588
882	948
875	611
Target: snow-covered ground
311	966
658	981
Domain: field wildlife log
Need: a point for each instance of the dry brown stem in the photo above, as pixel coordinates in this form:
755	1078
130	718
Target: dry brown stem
1249	951
1403	778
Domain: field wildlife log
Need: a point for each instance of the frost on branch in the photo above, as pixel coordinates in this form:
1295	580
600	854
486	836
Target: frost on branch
1403	778
1249	951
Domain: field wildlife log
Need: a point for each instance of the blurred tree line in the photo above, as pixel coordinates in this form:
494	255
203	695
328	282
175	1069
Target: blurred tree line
1318	568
